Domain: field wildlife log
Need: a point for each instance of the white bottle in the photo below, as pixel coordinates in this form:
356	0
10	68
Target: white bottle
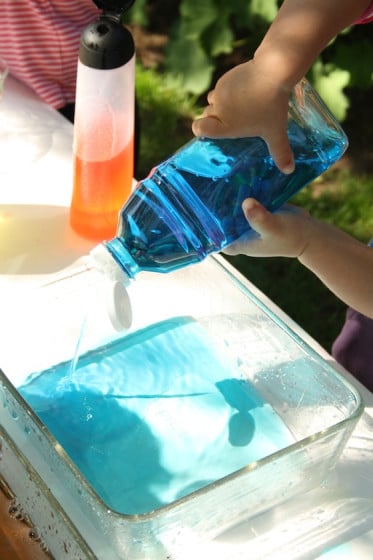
104	123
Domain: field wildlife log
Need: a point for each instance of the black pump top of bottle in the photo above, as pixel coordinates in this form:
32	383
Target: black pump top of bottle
114	6
106	43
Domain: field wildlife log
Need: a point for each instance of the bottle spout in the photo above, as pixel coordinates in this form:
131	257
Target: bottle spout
118	302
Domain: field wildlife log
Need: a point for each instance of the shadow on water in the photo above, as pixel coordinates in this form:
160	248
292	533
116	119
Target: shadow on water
115	448
111	445
146	421
241	424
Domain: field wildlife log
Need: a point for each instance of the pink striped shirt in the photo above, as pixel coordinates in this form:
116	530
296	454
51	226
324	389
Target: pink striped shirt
40	41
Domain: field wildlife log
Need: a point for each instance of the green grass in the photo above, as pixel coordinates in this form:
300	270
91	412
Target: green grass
166	113
344	200
298	292
340	197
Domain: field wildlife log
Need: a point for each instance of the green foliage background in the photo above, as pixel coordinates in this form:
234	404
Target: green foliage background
205	35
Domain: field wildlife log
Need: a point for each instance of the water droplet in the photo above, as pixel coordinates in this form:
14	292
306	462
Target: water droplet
34	534
13	509
13	413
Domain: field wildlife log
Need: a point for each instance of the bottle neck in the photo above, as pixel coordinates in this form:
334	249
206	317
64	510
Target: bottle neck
122	257
105	258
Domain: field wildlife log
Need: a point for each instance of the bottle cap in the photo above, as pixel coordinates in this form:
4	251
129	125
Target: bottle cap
119	306
106	44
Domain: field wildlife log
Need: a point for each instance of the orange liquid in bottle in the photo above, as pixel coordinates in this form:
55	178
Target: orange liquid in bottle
100	189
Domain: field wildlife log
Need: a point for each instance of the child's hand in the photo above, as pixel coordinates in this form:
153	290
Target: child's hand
284	233
245	102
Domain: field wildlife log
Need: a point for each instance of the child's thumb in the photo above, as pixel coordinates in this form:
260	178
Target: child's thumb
255	214
207	126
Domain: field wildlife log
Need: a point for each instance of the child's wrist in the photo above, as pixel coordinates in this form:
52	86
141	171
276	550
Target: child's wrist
274	65
313	236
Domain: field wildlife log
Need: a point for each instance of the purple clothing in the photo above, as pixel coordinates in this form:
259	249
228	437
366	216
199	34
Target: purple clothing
353	348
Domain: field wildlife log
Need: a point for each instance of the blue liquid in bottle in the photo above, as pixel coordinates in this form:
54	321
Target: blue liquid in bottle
190	206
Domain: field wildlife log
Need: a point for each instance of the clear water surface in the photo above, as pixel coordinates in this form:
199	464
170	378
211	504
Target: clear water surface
155	415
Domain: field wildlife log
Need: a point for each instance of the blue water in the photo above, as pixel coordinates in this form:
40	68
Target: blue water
191	205
155	415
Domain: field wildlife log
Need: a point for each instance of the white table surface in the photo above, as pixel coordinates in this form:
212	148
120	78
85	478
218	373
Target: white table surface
333	521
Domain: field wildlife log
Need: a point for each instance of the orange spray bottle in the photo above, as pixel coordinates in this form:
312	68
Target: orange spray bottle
103	145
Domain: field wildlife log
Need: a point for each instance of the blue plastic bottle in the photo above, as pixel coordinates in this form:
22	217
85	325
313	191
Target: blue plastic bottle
190	205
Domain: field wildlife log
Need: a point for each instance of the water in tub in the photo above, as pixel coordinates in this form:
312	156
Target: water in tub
155	415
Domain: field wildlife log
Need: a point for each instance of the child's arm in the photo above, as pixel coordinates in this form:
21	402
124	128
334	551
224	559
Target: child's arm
341	262
252	98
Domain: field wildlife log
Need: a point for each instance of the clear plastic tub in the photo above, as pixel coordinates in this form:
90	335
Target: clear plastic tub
207	411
